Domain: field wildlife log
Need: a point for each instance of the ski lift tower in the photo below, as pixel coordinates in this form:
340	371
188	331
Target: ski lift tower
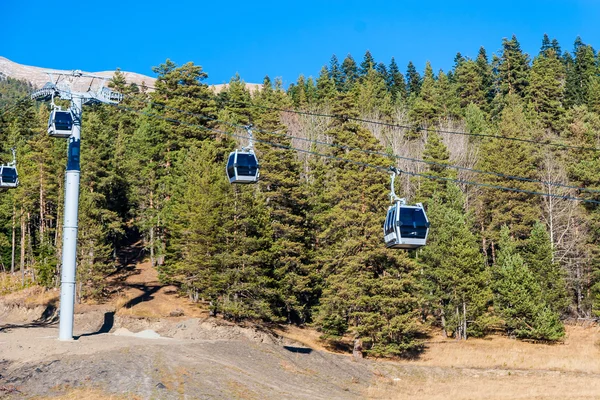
63	88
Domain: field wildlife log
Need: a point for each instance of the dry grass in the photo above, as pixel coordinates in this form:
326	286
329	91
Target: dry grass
310	338
497	368
10	283
89	394
31	296
506	387
578	353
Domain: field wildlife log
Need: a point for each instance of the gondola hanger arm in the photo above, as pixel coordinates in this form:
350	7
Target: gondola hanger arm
393	197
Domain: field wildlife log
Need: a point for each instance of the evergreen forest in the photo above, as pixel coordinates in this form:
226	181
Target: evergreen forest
305	245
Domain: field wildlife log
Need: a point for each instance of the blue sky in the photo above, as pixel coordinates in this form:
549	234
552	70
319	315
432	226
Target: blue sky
278	38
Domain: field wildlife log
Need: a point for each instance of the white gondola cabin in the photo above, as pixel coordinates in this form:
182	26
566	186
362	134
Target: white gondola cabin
9	178
242	165
60	123
405	226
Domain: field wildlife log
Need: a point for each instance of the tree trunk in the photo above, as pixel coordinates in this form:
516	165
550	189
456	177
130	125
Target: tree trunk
443	318
458	334
357	350
22	260
12	254
484	245
464	320
152	255
30	247
42	205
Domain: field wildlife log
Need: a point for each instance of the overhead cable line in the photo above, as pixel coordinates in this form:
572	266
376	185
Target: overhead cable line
360	163
418	128
415	127
344	147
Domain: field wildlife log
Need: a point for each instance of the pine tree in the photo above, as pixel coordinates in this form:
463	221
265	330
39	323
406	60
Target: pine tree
546	45
397	83
445	98
579	76
424	109
546	89
367	64
413	80
484	69
350	72
594	94
285	198
455	273
469	84
519	298
325	87
513	68
571	80
437	154
369	291
335	73
518	210
220	240
372	95
538	254
382	70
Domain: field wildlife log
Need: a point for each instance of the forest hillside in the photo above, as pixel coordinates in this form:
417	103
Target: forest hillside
501	150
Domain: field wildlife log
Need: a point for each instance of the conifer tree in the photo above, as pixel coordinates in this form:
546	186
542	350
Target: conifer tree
538	254
513	68
369	290
519	299
372	95
325	86
350	71
382	70
397	83
518	210
298	92
484	69
335	73
367	64
546	89
220	240
579	76
424	109
469	84
437	153
445	99
456	277
285	198
413	80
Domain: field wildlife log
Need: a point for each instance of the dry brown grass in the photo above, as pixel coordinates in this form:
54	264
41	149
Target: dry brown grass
310	338
12	283
31	296
578	353
497	368
506	387
89	394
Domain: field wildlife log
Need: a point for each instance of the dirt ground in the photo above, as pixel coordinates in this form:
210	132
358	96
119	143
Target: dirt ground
149	343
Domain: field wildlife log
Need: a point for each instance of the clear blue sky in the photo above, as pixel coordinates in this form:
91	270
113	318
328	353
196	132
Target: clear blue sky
279	38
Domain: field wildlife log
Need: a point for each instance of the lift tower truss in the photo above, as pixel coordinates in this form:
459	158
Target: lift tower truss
63	88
